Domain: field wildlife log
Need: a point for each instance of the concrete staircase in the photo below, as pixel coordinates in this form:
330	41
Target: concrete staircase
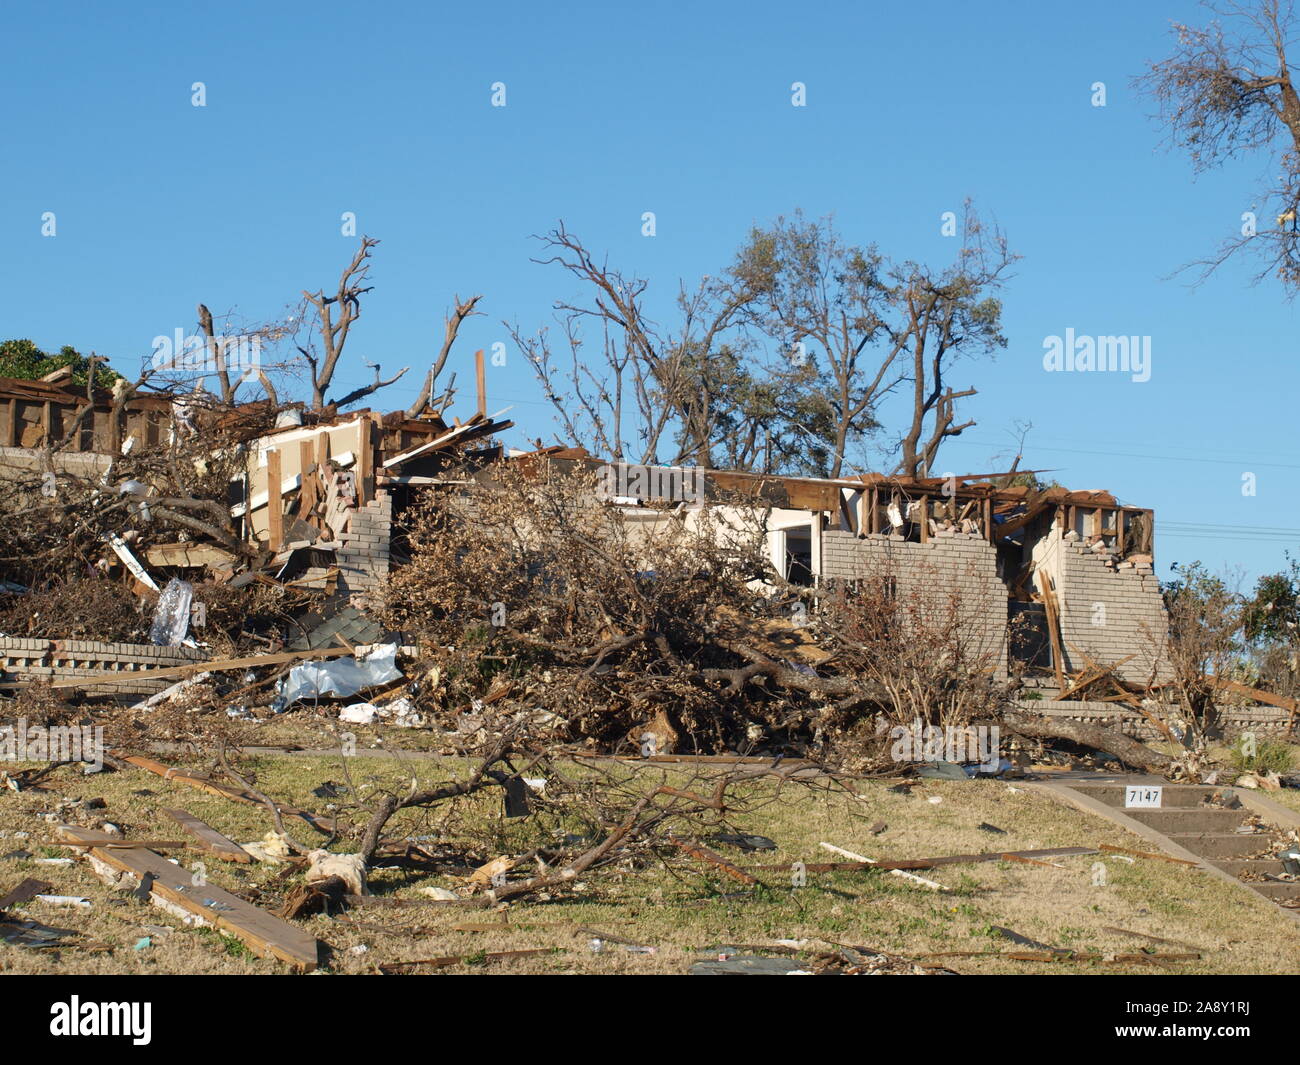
1217	834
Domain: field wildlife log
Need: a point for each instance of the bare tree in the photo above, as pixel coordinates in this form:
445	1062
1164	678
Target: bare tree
873	326
647	383
426	399
817	291
1225	93
334	317
947	315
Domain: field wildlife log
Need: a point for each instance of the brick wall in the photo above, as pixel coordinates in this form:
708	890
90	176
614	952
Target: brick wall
28	659
363	552
1261	720
1110	609
950	561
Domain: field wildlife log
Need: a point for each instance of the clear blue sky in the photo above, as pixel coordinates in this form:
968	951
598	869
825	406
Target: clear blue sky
684	110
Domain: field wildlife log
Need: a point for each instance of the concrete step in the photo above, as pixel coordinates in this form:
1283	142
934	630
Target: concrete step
1207	819
1237	866
1215	845
1173	796
1275	890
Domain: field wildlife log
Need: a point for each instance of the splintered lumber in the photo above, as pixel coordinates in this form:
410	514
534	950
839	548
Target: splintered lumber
1054	632
204	783
209	838
174	886
1255	693
1064	956
997	856
220	665
1110	848
132	563
275	506
702	853
843	867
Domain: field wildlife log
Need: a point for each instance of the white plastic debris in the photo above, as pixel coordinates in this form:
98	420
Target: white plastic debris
65	900
271	848
359	714
440	894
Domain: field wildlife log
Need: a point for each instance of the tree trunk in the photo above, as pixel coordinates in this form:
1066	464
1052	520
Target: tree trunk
1112	741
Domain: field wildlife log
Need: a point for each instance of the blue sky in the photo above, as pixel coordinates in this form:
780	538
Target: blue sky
683	110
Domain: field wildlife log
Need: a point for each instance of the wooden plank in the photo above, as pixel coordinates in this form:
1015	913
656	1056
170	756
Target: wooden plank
209	838
274	503
10	436
1053	632
366	463
1255	693
307	497
187	555
225	791
480	376
132	563
261	932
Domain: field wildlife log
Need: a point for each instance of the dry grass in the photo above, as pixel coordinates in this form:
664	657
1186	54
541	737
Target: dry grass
683	916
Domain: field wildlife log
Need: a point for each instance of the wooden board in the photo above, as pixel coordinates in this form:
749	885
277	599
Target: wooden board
209	838
275	504
266	935
187	554
204	783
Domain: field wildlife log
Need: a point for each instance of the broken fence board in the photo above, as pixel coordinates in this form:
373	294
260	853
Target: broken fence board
261	932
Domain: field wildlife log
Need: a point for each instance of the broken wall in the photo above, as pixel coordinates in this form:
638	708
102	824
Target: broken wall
1110	609
363	555
950	562
32	659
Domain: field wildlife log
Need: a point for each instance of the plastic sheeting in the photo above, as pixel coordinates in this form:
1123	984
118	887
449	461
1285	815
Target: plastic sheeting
171	620
341	676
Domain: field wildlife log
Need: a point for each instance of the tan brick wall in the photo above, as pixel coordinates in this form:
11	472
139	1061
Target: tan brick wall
363	555
1109	610
949	562
28	659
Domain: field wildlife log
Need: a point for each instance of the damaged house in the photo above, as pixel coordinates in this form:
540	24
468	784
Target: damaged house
1057	579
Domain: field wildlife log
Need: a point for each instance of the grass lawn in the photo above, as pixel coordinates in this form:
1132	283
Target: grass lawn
685	914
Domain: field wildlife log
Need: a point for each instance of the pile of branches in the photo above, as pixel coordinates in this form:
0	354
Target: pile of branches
531	594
